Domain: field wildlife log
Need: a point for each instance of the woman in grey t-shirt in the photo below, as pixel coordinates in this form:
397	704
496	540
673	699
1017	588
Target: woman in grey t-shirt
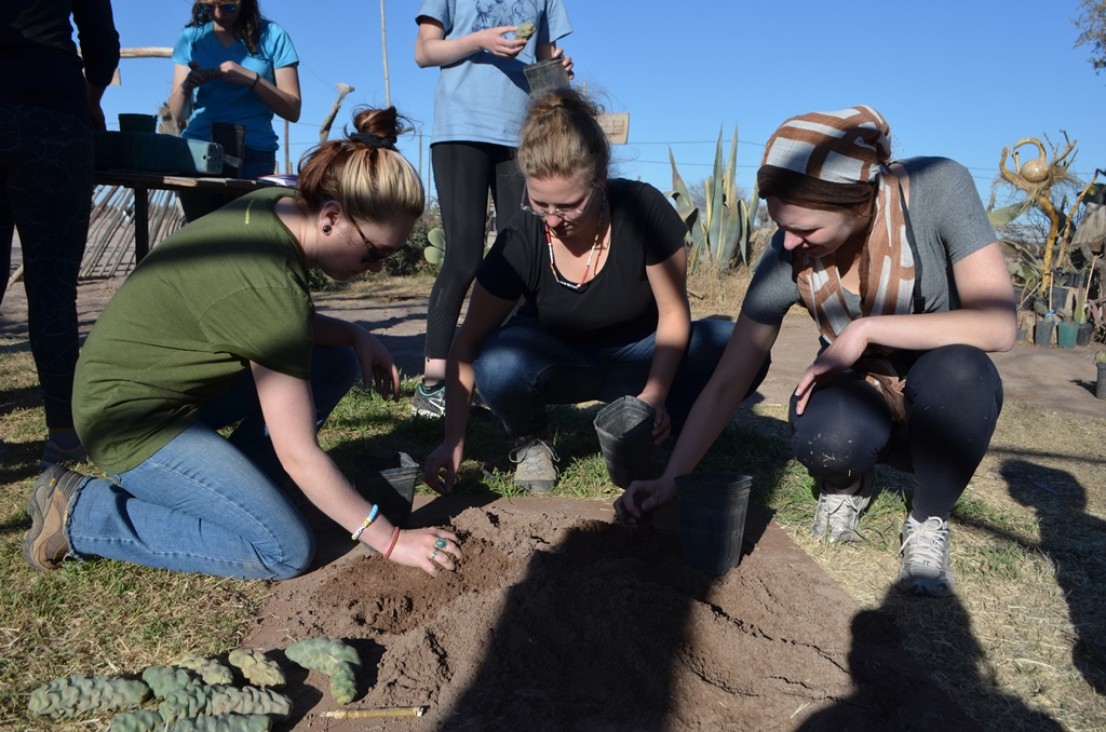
900	271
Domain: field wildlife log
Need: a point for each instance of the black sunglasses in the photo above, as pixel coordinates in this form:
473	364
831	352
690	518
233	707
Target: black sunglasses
374	253
227	8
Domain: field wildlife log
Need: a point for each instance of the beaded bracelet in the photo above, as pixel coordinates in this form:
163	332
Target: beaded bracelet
395	535
256	79
366	523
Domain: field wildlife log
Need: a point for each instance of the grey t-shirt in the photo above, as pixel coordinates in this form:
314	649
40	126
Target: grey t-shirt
948	221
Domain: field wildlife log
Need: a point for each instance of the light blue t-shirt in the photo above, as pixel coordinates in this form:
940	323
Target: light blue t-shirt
483	98
217	101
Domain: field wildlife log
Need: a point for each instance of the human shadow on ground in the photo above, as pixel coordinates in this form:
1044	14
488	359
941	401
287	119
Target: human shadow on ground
1071	539
904	670
590	637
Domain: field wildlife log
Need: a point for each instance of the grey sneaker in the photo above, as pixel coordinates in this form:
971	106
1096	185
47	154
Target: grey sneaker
45	545
837	517
925	558
429	402
536	472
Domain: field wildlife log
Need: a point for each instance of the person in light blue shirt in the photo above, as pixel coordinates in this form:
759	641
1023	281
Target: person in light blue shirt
479	106
234	66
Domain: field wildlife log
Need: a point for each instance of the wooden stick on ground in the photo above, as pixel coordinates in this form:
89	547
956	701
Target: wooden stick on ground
376	713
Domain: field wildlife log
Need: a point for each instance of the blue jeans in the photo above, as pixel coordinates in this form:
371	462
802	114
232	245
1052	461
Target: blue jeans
204	503
522	367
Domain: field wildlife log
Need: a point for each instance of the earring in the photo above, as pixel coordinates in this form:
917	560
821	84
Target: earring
326	229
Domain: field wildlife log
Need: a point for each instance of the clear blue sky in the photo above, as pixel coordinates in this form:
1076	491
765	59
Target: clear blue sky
958	78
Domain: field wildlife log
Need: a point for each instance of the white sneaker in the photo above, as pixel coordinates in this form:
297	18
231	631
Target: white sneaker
925	558
837	517
536	472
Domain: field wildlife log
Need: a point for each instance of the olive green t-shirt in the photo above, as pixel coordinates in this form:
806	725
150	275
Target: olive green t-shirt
228	289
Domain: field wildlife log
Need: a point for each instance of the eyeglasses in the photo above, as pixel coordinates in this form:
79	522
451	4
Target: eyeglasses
227	8
374	253
566	214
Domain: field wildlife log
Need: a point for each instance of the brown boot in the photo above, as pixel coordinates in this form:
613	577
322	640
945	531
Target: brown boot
46	545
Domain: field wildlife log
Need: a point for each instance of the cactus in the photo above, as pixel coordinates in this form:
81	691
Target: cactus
434	251
722	230
256	667
335	659
197	701
224	723
76	695
142	720
210	670
524	30
163	679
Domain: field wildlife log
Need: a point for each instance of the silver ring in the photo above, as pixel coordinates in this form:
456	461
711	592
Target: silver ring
434	554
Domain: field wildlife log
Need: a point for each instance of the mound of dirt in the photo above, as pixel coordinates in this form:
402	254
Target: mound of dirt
559	619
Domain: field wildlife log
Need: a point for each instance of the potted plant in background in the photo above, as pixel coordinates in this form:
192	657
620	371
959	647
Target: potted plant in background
1100	384
1042	331
1080	309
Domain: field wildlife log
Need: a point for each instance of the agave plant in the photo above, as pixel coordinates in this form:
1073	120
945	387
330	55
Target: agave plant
718	233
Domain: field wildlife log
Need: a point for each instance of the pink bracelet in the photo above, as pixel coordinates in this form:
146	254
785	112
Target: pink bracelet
395	535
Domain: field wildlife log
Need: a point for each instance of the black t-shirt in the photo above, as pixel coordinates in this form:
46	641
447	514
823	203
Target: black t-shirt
615	307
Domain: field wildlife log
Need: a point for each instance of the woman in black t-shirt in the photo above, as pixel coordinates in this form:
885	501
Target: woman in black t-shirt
600	268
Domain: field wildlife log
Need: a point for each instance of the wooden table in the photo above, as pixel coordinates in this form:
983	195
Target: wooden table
142	182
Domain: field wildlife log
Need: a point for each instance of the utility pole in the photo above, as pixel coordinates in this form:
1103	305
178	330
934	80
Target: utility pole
384	50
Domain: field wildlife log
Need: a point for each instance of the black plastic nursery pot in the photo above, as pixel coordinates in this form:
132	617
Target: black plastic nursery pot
1083	335
625	431
1042	333
133	122
389	482
545	76
712	508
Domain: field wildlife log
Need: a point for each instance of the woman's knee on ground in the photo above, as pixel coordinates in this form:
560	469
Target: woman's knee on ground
290	556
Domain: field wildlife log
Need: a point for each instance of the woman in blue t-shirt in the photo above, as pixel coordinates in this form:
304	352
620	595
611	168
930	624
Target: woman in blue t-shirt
234	67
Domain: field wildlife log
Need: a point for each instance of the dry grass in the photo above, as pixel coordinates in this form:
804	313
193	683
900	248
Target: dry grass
1022	646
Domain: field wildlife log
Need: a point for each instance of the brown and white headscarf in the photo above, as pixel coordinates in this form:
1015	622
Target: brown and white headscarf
834	160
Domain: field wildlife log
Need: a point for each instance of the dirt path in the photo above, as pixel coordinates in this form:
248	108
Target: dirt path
1051	378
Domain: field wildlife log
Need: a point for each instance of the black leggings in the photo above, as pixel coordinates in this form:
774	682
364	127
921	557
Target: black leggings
46	194
953	399
464	172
